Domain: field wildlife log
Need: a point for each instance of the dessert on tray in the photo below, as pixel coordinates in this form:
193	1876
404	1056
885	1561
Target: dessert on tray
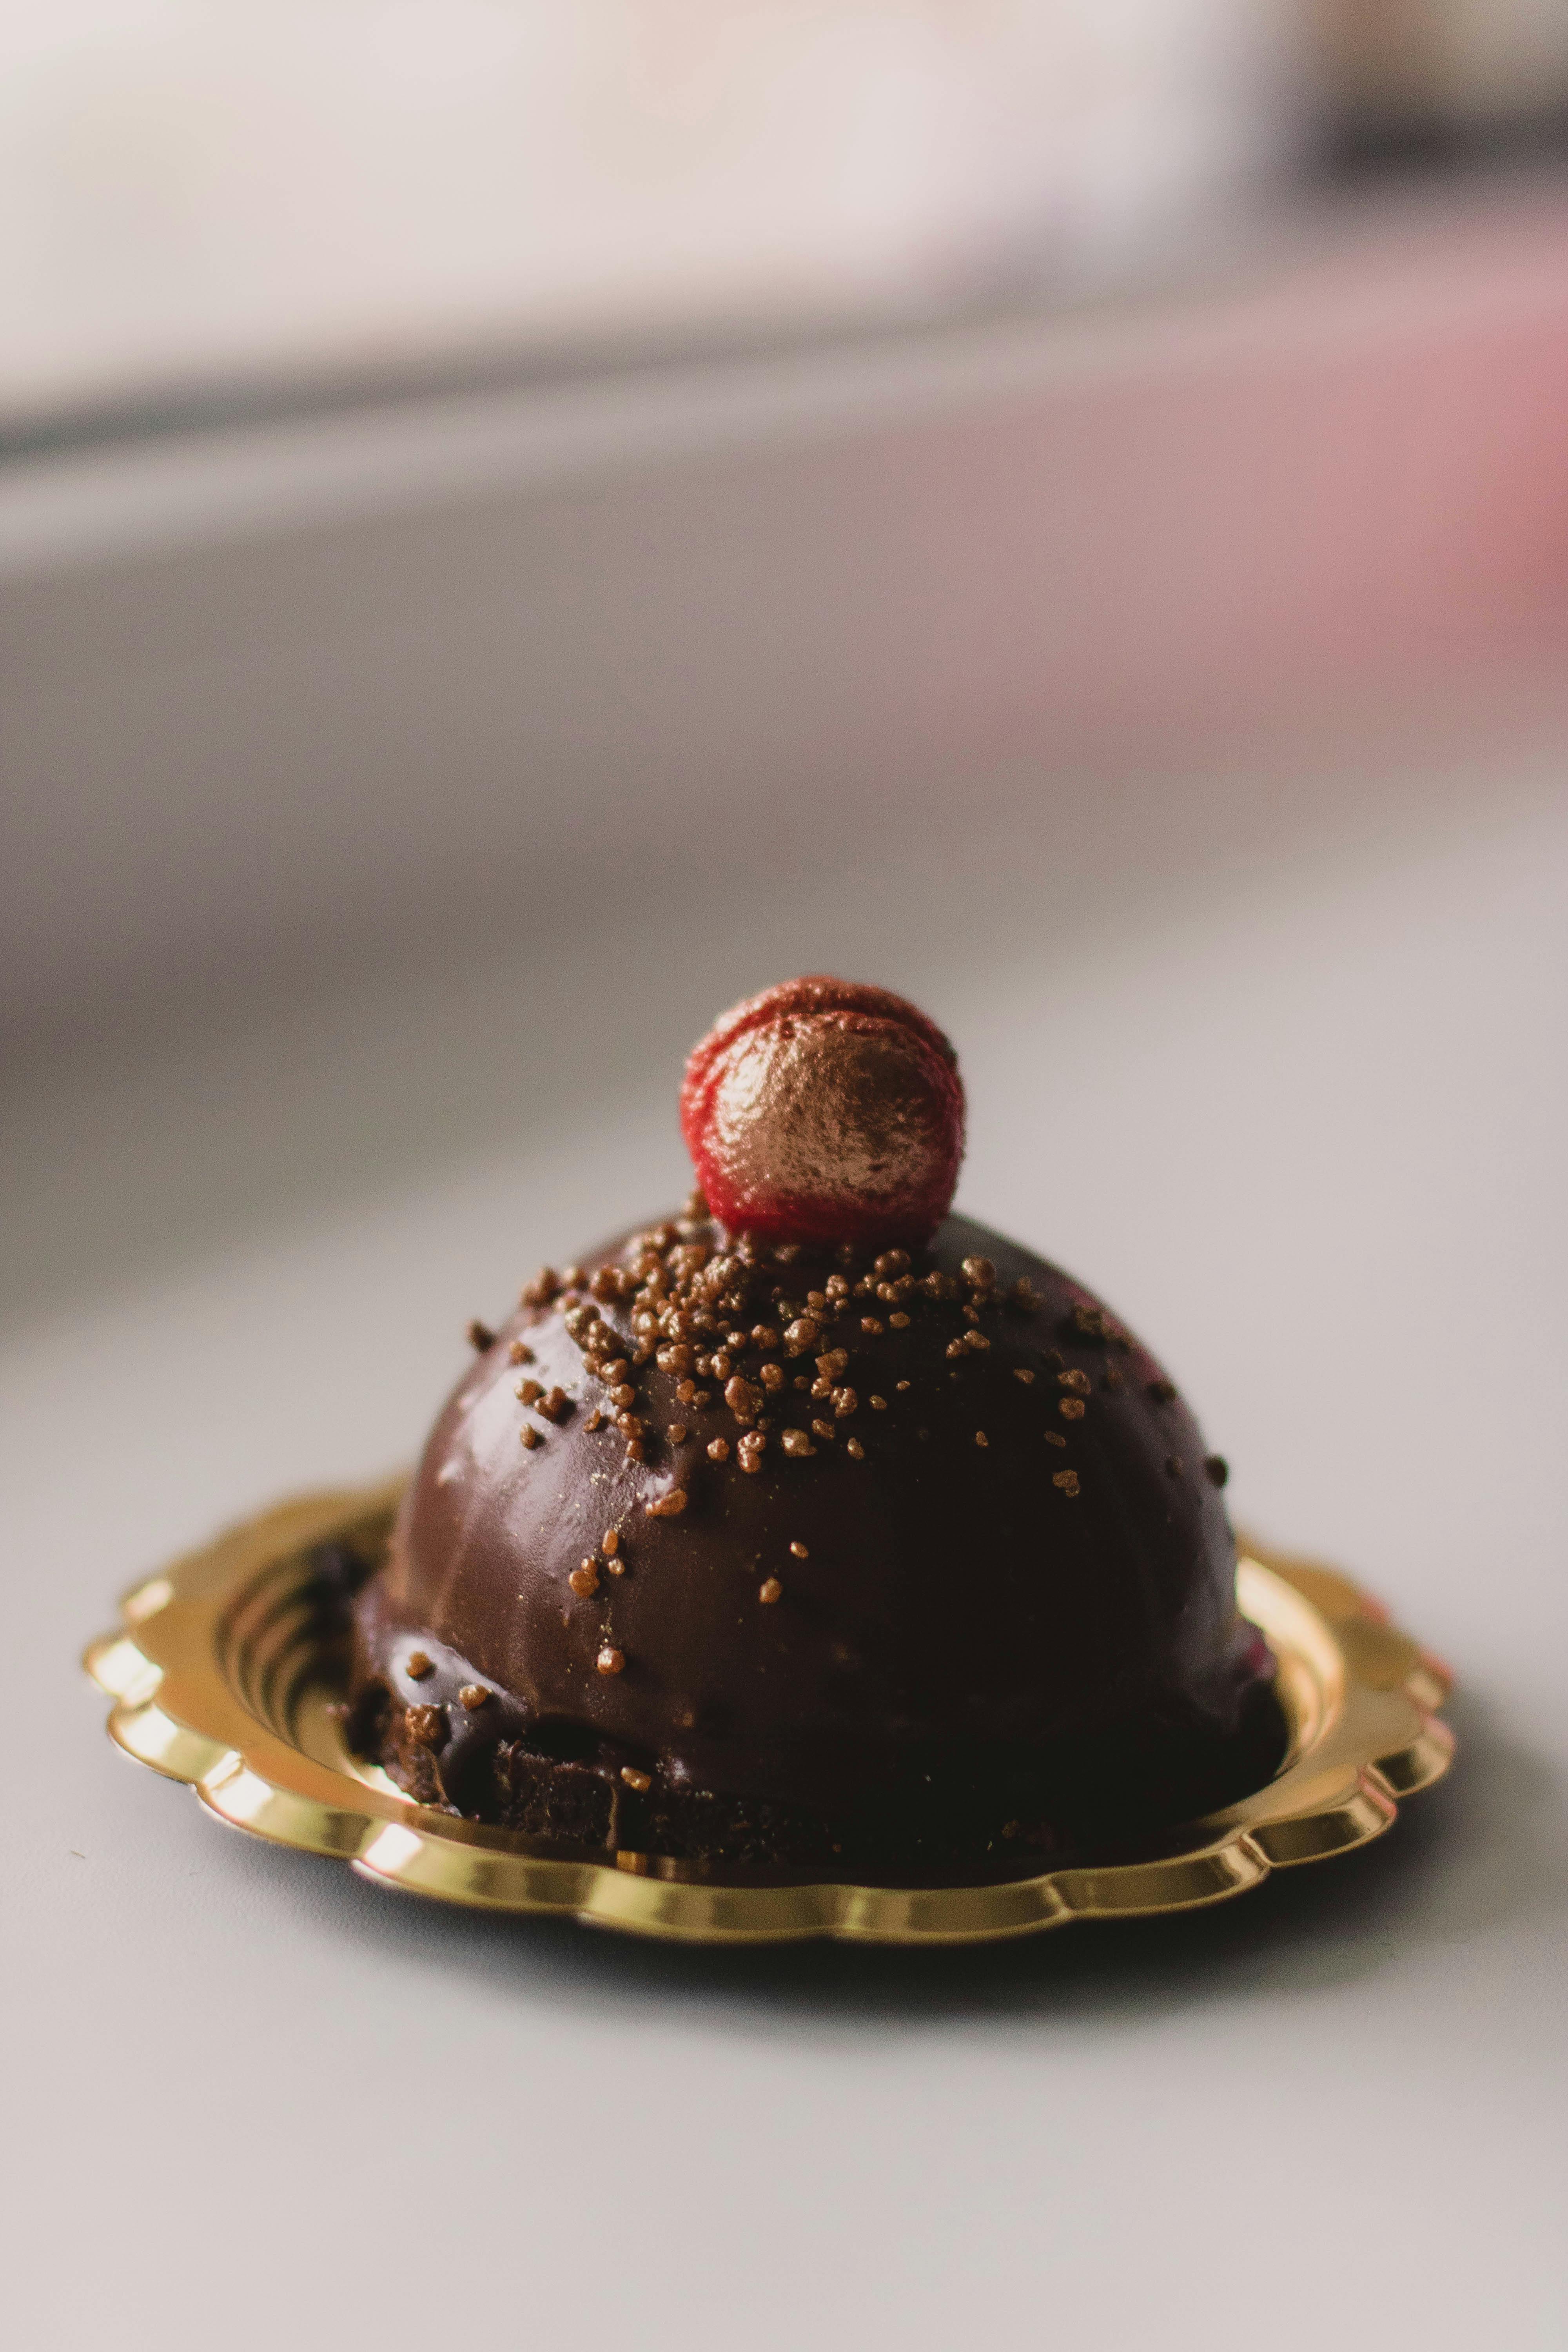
813	1525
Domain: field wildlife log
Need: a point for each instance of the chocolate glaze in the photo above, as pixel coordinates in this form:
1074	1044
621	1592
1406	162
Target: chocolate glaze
969	1652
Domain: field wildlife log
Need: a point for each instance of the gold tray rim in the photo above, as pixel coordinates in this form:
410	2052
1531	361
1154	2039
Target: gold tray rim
1369	1736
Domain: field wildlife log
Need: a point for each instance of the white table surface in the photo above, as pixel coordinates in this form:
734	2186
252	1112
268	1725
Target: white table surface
1289	1092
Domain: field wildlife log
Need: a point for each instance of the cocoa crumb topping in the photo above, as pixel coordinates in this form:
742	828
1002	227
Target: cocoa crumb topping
718	1449
1022	1372
474	1695
770	1590
1066	1480
419	1666
530	1436
635	1779
1162	1391
1175	1466
1217	1469
676	1432
667	1506
1071	1408
519	1352
796	1444
479	1335
1055	1437
981	1438
584	1581
610	1661
425	1724
530	1392
854	1450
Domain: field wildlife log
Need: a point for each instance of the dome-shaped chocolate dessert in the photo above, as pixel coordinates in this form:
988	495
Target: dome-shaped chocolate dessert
814	1526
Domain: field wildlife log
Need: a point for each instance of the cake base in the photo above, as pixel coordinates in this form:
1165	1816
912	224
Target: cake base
948	1813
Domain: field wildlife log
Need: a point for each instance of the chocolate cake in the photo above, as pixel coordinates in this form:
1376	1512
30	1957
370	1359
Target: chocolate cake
813	1526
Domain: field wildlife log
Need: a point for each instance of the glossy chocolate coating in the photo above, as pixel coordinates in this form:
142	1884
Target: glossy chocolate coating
964	1630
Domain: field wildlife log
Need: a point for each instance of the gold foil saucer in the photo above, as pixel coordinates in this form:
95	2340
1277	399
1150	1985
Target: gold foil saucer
221	1676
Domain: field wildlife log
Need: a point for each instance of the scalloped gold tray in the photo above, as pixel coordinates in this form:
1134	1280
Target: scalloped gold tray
218	1681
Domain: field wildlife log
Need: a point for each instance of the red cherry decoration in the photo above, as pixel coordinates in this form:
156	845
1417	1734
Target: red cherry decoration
823	1110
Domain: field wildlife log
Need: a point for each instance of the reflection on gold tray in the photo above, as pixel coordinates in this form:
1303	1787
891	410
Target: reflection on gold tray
218	1680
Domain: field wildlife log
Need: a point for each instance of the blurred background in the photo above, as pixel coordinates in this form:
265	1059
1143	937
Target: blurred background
520	523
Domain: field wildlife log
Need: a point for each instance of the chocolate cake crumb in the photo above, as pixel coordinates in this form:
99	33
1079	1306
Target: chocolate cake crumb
1217	1469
